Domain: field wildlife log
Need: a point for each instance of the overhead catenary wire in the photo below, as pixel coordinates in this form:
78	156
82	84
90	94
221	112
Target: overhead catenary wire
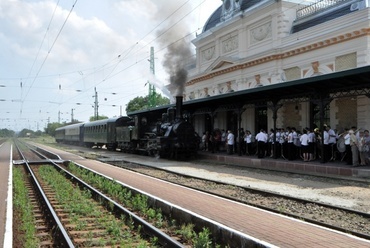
51	47
112	75
113	65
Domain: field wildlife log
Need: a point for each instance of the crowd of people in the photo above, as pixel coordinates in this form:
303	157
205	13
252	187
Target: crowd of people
351	146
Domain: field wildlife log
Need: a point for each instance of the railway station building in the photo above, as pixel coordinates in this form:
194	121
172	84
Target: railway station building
272	63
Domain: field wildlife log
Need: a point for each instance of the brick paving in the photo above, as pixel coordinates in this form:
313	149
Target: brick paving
270	228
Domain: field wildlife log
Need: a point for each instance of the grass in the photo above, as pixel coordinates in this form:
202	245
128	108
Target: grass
79	204
23	208
139	202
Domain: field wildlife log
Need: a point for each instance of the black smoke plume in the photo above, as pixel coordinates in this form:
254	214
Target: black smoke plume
176	63
179	55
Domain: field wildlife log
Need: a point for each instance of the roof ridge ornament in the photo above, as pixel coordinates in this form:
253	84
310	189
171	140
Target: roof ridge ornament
230	8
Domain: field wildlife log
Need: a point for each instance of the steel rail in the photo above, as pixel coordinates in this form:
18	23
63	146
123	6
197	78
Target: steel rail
62	237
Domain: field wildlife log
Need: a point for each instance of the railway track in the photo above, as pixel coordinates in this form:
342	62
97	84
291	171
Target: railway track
346	220
49	230
77	219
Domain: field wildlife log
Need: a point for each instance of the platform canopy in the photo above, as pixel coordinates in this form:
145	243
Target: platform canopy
347	83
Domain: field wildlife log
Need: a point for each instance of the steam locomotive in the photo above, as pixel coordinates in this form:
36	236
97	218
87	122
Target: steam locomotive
168	135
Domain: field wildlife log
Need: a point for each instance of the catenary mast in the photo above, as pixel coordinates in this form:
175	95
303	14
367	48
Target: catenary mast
152	94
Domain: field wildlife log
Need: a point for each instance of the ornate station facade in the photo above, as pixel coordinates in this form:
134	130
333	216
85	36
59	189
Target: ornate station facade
253	58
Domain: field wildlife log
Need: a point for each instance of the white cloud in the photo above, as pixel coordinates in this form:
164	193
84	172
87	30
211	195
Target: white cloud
103	45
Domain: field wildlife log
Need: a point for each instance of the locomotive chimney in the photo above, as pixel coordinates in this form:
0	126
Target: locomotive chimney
179	107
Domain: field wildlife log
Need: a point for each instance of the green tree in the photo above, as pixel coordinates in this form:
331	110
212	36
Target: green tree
140	103
6	133
160	100
27	133
50	129
100	117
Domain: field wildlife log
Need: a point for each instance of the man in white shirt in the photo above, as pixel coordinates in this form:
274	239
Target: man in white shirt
304	145
311	145
347	142
230	142
261	138
326	145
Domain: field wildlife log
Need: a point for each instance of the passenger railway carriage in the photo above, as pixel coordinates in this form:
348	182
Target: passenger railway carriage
103	132
71	134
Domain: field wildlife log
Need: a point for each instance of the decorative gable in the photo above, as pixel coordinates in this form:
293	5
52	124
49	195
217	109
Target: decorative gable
221	62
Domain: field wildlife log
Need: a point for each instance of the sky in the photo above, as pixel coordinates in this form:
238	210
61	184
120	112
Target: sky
57	55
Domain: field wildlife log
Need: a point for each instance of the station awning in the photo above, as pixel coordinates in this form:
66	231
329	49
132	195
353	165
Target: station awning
339	84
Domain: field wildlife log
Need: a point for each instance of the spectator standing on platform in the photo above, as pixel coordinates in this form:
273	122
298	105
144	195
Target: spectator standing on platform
332	142
248	142
277	144
223	139
362	148
311	145
204	141
230	142
290	145
354	149
326	145
217	140
270	143
241	142
367	143
211	142
347	143
304	145
261	139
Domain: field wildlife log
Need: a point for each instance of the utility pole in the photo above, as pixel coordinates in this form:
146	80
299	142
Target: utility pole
96	105
72	115
152	94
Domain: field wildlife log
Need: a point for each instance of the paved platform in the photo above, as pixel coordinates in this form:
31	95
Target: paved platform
272	230
334	168
6	210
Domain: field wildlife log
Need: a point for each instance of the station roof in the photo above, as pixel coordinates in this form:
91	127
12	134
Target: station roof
215	18
337	84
